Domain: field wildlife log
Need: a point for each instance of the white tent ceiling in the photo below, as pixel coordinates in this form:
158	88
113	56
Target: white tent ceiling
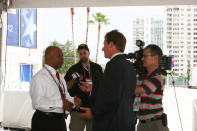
95	3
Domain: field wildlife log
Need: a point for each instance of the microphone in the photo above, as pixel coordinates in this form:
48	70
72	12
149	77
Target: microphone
76	77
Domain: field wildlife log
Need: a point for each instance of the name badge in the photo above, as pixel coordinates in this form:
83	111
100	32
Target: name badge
136	104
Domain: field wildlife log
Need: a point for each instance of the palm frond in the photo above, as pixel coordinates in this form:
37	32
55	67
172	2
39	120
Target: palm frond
91	22
100	18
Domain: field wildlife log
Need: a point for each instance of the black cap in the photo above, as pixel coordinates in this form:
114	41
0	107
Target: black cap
83	46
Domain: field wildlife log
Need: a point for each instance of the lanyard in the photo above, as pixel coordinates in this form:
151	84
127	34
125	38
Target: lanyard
89	71
58	84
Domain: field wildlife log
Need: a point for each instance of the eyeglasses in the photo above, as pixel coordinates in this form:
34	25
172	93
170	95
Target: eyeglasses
147	55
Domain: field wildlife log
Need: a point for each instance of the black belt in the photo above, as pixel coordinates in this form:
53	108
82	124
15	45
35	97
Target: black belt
51	114
151	119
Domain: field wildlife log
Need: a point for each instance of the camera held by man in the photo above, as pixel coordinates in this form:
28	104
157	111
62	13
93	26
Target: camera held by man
165	62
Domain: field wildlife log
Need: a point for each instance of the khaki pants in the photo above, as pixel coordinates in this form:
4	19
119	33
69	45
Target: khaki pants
78	124
151	126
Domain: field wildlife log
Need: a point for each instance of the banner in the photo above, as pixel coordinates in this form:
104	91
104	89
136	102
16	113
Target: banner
13	27
29	28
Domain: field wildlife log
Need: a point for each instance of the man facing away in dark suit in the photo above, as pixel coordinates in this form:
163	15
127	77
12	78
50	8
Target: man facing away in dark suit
113	100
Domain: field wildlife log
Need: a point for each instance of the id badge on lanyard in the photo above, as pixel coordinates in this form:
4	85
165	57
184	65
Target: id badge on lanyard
136	104
137	100
62	90
89	79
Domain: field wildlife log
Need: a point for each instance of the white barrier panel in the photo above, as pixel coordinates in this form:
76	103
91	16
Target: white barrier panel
17	110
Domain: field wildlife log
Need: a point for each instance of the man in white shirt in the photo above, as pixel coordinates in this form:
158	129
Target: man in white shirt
49	94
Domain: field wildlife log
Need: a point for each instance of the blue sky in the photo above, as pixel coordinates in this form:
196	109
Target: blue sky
57	25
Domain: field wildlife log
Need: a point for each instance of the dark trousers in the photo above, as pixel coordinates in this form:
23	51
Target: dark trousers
44	122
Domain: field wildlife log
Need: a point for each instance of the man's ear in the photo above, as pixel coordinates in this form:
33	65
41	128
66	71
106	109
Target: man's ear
111	44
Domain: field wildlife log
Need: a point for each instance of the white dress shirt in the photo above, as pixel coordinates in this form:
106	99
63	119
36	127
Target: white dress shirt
114	55
45	93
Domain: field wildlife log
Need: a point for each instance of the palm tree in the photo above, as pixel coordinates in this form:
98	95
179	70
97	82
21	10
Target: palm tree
88	12
72	16
100	19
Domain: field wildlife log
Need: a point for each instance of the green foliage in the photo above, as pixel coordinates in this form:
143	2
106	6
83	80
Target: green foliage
91	21
100	18
68	54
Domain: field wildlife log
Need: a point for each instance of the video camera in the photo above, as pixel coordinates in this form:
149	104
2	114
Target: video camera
165	62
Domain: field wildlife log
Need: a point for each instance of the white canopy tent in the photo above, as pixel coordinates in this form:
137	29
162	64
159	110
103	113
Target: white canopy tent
95	3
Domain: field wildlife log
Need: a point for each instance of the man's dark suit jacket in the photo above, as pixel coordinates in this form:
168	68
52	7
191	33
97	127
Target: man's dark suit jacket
113	107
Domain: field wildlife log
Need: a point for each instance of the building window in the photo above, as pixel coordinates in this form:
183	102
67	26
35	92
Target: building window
175	9
169	9
26	72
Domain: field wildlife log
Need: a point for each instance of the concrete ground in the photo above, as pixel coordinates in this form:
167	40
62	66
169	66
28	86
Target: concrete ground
185	98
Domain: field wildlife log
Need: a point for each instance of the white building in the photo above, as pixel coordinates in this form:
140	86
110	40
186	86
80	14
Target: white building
148	29
180	37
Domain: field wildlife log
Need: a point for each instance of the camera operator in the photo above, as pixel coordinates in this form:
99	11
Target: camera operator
149	93
88	72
